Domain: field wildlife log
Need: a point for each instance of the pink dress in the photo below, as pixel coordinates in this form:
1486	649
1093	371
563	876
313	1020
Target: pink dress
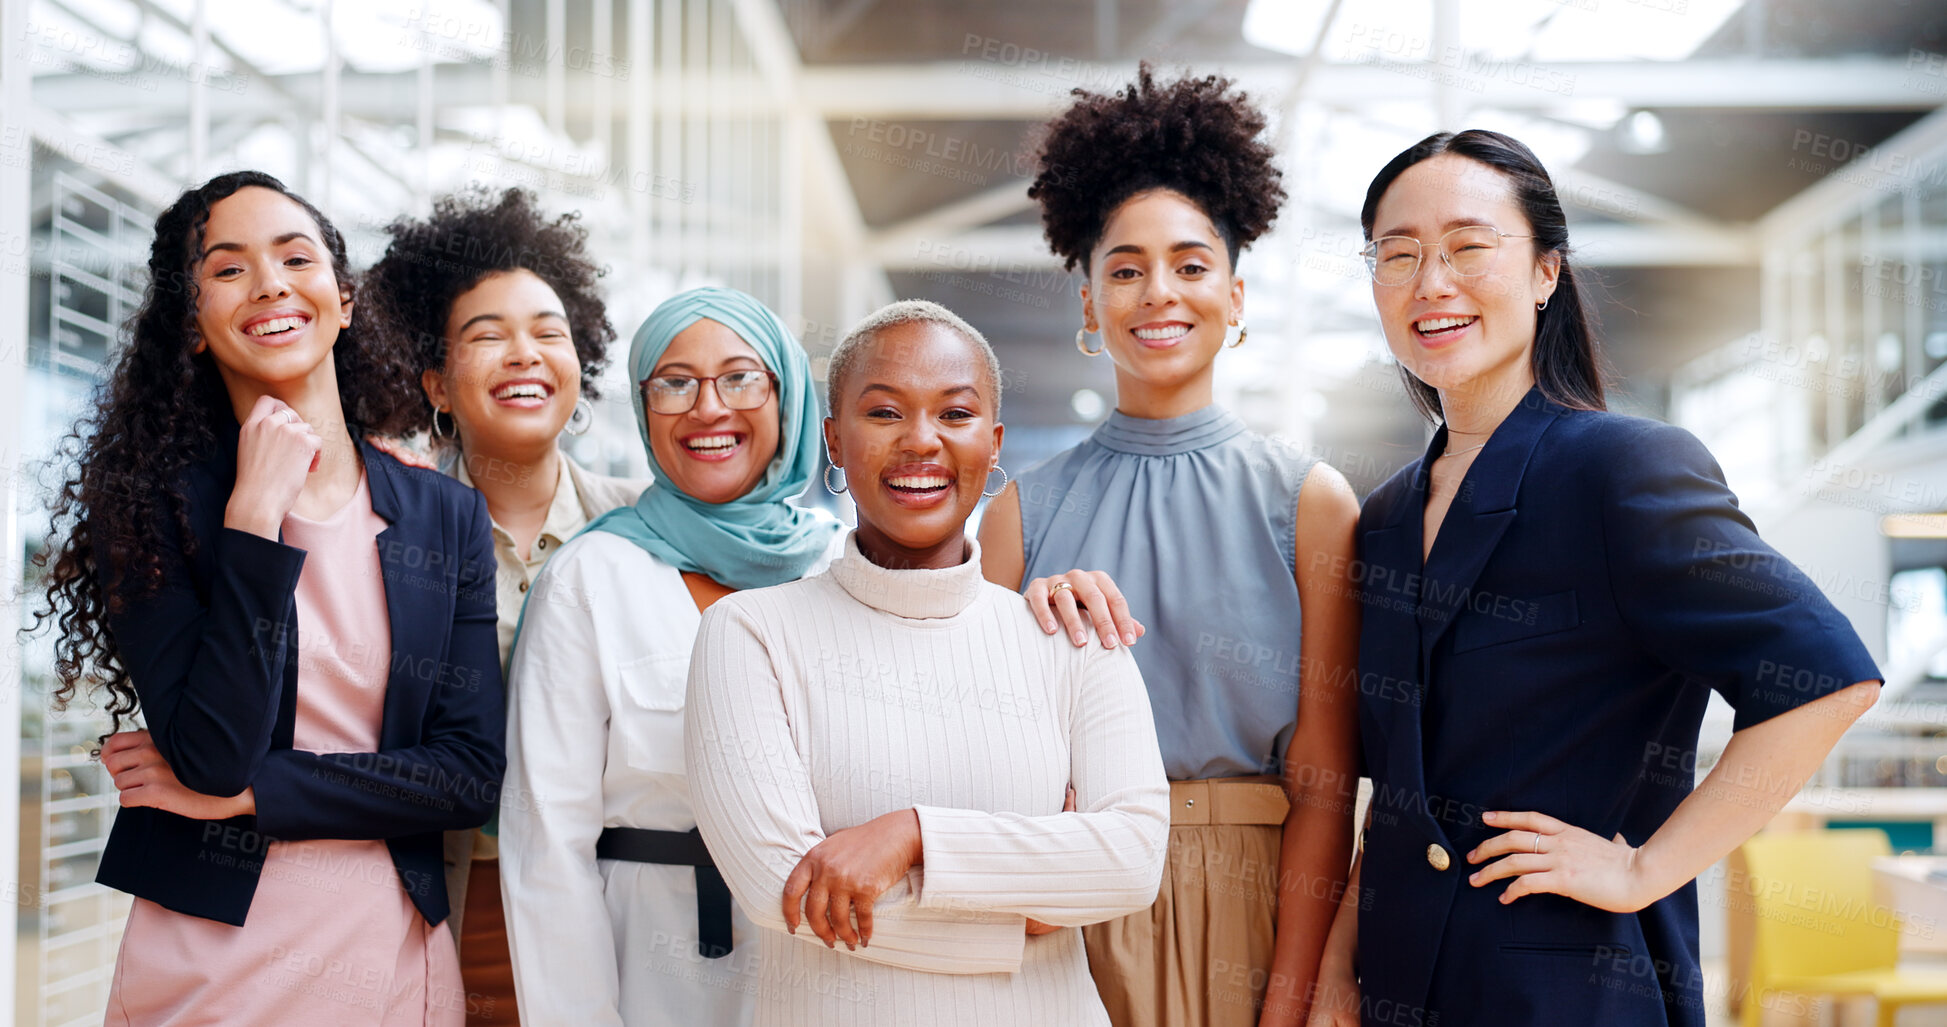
331	938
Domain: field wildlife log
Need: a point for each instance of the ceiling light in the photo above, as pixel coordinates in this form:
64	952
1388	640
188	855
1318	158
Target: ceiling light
1088	405
1931	525
1642	132
1631	32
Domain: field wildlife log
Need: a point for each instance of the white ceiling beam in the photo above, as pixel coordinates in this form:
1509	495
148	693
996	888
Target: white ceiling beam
1013	248
1003	250
111	162
952	219
975	89
1670	245
1610	198
1854	174
1006	86
376	96
827	190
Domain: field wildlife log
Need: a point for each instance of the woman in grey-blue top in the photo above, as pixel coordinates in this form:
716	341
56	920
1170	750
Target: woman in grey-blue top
1232	549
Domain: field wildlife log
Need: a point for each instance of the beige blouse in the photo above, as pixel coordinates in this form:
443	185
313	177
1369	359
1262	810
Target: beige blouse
580	496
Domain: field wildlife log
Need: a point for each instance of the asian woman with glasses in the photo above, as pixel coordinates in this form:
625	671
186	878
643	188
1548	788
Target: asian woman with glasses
1559	589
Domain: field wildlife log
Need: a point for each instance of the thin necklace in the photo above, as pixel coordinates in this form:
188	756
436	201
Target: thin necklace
1458	452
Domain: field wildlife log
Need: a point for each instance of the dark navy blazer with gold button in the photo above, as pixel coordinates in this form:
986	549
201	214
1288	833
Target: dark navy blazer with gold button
1593	579
214	655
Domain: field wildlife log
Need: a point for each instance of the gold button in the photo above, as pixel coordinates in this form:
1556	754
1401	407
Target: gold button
1437	857
523	586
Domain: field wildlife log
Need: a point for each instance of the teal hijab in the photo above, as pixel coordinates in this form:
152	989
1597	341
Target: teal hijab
760	538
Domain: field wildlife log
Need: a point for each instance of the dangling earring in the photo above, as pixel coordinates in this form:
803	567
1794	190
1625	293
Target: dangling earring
1243	332
998	491
1539	307
448	433
1081	343
843	484
582	419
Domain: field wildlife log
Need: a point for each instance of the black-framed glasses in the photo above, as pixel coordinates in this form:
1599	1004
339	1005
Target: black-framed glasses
1469	250
677	393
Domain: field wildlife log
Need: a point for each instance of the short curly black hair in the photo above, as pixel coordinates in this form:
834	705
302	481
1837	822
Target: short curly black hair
471	235
1193	136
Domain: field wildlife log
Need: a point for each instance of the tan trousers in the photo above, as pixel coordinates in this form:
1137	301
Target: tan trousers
1201	956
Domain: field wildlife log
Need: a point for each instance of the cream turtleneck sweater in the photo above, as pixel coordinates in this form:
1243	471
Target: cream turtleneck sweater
821	704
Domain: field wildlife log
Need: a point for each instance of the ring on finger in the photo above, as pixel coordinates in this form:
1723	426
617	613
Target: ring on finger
1537	843
1060	586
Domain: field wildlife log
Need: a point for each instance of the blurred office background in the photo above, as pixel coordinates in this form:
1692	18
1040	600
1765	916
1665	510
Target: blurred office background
1760	186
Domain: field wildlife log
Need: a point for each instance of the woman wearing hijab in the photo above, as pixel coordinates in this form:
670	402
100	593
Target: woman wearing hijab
616	914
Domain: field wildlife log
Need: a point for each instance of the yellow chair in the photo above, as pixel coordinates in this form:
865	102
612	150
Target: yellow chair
1819	930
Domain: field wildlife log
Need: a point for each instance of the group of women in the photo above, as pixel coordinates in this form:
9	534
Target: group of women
747	766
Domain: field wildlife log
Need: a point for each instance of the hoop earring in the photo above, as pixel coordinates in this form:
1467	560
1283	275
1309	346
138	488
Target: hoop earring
1081	343
582	419
448	433
846	485
998	491
1539	307
1243	332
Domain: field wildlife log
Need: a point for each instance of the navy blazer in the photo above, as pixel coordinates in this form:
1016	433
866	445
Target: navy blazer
1593	578
213	655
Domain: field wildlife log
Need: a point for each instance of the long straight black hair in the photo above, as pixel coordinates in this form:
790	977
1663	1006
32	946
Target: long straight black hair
1567	361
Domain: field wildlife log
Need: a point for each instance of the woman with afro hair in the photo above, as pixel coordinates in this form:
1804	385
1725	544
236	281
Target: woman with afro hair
1228	546
499	309
304	624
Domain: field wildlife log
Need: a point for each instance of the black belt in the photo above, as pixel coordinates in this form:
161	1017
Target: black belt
679	849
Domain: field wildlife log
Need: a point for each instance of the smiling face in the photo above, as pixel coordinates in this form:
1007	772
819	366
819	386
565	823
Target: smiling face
1161	292
1468	335
268	305
512	376
712	453
917	432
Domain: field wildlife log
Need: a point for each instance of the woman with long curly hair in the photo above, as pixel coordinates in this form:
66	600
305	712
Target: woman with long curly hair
500	311
305	625
1228	545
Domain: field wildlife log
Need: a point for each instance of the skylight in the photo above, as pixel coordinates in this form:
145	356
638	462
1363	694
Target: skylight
1537	30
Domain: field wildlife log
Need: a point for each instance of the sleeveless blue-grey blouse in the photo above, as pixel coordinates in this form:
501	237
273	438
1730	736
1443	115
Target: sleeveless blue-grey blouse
1194	517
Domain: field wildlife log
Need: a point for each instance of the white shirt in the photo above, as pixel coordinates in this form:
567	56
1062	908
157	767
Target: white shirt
580	496
821	704
595	739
